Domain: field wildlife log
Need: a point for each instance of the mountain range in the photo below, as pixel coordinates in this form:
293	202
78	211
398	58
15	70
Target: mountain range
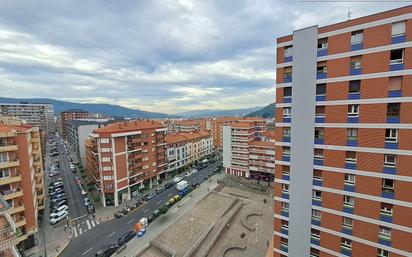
265	112
214	113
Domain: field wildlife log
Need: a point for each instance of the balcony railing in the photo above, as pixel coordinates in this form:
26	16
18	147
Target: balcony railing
8	148
8	237
10	179
12	193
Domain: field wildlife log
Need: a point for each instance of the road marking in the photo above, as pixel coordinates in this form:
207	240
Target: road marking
170	194
92	221
130	221
97	222
88	250
79	217
80	231
146	211
88	224
75	232
112	234
159	202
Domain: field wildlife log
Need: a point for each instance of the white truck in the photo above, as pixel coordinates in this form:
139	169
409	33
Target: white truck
182	185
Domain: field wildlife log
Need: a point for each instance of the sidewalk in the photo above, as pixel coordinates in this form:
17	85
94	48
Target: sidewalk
137	245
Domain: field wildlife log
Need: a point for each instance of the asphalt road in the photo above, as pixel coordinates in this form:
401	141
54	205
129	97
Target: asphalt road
108	232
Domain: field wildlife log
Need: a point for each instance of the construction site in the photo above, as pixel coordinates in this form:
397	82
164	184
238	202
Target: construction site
231	221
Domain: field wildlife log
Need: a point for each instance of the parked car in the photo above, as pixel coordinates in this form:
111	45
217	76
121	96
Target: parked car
168	185
194	171
86	201
159	190
56	213
126	237
149	196
59	218
188	174
58	204
58	199
177	179
107	251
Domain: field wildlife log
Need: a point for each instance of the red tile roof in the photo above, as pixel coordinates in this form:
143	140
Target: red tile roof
127	126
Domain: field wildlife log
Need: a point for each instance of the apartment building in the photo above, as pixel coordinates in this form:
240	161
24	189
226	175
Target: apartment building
8	231
78	131
21	177
184	149
69	115
181	125
246	153
124	157
343	181
217	130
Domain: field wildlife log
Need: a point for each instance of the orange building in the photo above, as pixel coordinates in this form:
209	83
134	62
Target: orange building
217	130
343	181
8	231
21	176
182	125
69	115
124	157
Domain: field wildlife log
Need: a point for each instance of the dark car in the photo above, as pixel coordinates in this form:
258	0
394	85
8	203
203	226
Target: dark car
126	237
168	185
159	190
149	196
107	251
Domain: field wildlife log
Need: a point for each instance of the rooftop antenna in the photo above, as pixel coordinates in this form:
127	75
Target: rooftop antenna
349	13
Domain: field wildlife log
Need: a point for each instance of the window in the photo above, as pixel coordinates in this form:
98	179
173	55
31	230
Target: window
355	62
396	56
346	244
321	89
104	140
285	170
106	159
319	133
287	91
106	150
285	188
287	72
323	44
284	242
285	150
395	83
314	252
318	154
145	166
356	37
388	185
384	233
4	173
383	253
398	28
389	160
284	224
352	134
391	135
393	110
316	214
107	177
107	168
286	132
320	112
321	67
284	206
317	175
350	157
287	112
288	51
315	234
348	201
316	194
354	86
353	110
386	209
349	179
347	222
4	157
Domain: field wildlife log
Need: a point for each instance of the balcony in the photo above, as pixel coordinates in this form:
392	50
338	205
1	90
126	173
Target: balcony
287	79
16	209
8	148
353	95
398	39
395	93
10	179
12	193
356	47
288	59
8	237
35	140
20	223
322	52
353	72
396	66
321	75
5	165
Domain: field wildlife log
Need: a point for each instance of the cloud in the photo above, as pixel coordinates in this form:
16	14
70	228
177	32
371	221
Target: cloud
158	55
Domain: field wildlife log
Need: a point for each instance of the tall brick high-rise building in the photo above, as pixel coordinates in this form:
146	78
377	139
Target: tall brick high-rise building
343	175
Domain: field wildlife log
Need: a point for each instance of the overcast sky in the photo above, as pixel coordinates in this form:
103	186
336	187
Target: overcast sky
159	55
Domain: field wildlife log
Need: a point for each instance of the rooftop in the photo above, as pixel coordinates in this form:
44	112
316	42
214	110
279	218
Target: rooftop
185	136
127	126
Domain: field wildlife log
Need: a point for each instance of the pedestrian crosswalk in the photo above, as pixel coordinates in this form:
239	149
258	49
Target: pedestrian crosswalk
81	226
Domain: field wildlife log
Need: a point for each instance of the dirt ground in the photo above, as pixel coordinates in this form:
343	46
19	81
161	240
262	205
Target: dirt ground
232	222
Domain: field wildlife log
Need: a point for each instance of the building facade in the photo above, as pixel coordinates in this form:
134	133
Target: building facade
217	130
8	231
69	115
21	177
184	149
246	153
124	157
77	133
182	125
343	181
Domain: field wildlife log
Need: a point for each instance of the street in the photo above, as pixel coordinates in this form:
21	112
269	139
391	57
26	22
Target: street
87	243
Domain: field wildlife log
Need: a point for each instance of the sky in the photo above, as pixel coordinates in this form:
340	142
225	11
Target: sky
158	55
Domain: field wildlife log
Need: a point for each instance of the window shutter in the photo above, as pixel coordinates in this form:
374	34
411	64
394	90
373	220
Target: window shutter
398	28
395	83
